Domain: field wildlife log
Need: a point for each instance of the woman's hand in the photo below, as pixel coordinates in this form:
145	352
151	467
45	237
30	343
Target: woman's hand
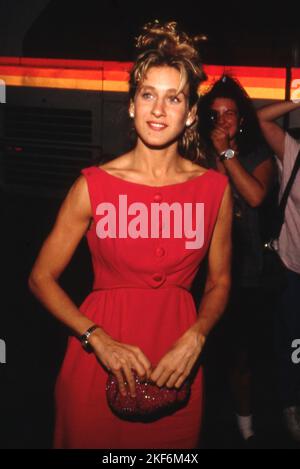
177	363
120	359
220	138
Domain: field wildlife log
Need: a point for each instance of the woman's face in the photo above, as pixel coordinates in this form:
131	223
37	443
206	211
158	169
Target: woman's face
160	114
226	115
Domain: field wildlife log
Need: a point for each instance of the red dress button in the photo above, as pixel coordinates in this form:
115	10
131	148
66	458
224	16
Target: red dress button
157	277
159	252
157	197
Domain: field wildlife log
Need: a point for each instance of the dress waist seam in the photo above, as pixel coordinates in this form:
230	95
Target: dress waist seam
138	287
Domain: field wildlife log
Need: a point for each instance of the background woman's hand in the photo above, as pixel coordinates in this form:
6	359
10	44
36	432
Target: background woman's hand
120	359
220	138
176	365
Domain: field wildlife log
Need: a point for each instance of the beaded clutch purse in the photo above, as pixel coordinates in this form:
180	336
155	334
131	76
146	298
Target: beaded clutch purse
151	401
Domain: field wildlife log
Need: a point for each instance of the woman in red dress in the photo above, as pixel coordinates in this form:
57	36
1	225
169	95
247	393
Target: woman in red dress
150	217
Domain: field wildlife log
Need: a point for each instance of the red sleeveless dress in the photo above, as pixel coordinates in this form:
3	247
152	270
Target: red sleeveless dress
141	296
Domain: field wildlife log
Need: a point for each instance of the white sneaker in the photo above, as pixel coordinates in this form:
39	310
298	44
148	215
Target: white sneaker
291	416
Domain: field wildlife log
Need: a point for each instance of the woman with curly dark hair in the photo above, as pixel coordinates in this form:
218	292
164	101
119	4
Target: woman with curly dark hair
140	321
233	144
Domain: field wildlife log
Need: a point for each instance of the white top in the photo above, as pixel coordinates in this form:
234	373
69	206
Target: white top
289	240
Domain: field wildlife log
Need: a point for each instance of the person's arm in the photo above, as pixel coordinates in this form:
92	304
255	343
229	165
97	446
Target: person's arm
57	250
70	226
177	363
254	187
273	133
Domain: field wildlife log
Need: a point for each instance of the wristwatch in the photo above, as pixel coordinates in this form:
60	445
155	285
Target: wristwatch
227	154
84	338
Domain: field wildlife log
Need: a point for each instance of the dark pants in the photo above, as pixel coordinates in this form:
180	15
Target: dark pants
286	331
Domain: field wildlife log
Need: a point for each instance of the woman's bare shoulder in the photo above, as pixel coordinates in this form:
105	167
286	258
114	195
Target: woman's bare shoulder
195	168
78	197
118	163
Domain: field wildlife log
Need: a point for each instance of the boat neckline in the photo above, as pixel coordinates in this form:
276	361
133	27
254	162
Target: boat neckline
153	187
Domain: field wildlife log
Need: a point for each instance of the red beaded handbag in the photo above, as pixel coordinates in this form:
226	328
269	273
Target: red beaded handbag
151	401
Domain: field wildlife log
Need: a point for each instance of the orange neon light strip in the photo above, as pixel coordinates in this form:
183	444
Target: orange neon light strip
259	82
64	83
65	74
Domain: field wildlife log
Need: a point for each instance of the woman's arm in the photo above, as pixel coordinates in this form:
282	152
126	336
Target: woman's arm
273	133
57	250
218	282
178	362
252	187
70	226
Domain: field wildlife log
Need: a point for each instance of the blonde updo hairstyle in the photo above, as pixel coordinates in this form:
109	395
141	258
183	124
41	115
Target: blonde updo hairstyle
162	44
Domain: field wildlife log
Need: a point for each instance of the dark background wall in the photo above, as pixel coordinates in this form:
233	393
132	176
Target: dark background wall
240	33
